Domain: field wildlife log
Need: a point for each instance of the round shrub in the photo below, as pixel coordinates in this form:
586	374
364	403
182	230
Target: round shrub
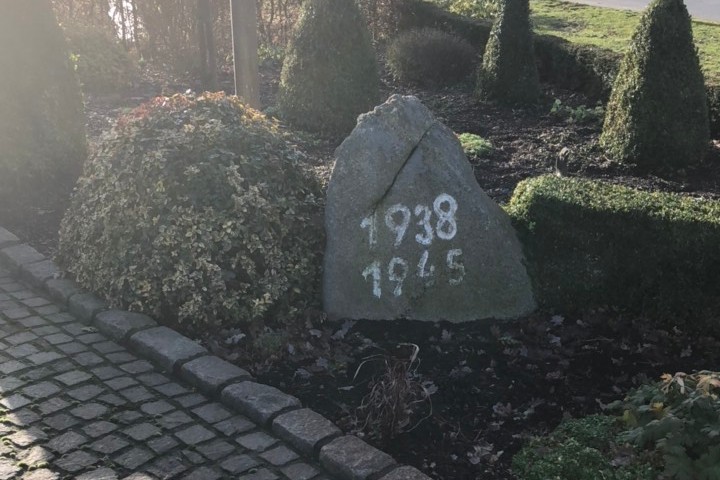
330	73
508	73
42	123
197	210
430	57
103	65
658	114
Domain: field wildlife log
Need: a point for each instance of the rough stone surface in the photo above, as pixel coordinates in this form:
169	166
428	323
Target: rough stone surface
410	234
209	373
61	289
304	429
351	458
85	306
165	347
257	401
405	473
38	273
18	255
7	239
117	324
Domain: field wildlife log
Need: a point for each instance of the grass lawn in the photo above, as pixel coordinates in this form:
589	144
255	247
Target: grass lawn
612	29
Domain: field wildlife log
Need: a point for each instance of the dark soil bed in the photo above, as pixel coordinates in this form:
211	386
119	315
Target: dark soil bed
480	389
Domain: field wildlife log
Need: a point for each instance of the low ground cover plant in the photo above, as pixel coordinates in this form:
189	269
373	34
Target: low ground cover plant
430	57
197	210
591	244
474	145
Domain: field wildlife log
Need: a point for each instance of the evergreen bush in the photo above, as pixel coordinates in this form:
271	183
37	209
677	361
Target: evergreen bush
197	210
103	65
658	111
42	123
508	73
430	57
330	73
591	244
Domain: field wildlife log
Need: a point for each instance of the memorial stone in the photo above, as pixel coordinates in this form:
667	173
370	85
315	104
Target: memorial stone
410	233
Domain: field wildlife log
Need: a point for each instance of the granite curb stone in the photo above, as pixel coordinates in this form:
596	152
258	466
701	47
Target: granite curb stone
210	373
7	239
257	401
61	289
304	429
347	456
38	273
119	324
165	346
352	459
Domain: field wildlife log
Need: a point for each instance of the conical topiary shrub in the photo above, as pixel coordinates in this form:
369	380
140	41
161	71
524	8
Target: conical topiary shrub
42	123
657	114
508	72
330	73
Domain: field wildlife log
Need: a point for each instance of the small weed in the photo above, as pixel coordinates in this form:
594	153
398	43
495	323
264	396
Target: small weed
579	115
475	145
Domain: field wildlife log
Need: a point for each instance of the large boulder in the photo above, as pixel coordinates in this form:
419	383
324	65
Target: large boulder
410	234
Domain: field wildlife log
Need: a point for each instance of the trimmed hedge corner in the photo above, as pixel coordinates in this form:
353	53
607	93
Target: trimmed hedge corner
592	244
584	68
197	210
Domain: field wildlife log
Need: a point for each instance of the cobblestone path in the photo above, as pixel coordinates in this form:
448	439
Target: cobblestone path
77	405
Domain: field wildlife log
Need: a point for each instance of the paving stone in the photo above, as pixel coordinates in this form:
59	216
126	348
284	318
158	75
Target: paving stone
171	389
194	435
136	394
72	348
58	338
118	324
153	379
76	461
21	351
279	456
105	373
239	464
8	469
8	384
109	445
40	474
121	383
11	366
75	328
174	419
351	458
137	366
66	442
304	429
28	436
99	474
31	322
21	337
38	273
59	318
52	405
189	401
61	289
142	432
299	471
16	313
193	457
35	302
216	449
35	457
44	357
235	425
156	408
112	399
405	473
107	347
41	390
128	417
97	429
90	411
85	306
88	359
133	458
22	418
139	476
212	413
162	444
74	377
7	238
165	347
257	401
256	441
170	466
61	421
202	473
121	357
85	393
45	330
90	338
19	255
210	373
262	474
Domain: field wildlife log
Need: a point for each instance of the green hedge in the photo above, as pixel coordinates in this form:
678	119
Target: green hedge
584	68
590	244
